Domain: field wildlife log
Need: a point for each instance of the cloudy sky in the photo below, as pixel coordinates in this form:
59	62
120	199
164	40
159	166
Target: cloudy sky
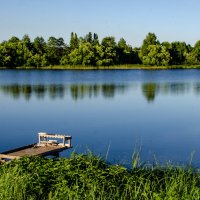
170	20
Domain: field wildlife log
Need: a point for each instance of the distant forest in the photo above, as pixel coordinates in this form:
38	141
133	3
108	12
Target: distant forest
90	51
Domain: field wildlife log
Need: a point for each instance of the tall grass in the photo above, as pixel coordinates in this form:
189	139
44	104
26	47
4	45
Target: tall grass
114	67
90	177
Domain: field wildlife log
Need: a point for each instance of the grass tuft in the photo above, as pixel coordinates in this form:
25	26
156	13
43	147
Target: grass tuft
90	177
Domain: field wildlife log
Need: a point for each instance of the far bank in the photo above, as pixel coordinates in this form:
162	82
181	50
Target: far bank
114	67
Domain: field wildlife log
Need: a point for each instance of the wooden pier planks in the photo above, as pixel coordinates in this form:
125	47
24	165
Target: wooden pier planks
32	150
43	148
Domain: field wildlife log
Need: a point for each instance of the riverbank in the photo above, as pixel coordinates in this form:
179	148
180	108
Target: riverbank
114	67
90	177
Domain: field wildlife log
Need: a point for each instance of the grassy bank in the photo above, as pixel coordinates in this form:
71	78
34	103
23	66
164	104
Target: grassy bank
89	177
81	67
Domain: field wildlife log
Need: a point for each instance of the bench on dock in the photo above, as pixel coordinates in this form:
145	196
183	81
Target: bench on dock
44	147
44	139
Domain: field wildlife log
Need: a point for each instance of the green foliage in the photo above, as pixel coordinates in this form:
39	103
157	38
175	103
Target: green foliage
37	60
88	38
150	39
157	55
193	56
74	41
83	55
39	45
95	39
109	49
89	177
88	51
55	50
178	52
125	54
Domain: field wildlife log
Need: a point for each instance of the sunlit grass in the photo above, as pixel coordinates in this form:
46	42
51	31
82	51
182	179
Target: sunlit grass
90	177
128	66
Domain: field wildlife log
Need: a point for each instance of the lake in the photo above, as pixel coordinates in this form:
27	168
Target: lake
109	112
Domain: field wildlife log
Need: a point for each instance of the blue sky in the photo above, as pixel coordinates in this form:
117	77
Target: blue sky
170	20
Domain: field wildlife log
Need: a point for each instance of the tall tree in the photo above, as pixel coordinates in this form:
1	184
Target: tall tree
125	55
88	38
95	39
55	50
196	51
39	45
150	39
74	41
178	53
109	48
27	42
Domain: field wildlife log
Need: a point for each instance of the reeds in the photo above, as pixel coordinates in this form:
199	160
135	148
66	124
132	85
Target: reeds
90	177
112	67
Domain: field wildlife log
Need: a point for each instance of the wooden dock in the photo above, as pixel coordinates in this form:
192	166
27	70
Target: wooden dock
44	147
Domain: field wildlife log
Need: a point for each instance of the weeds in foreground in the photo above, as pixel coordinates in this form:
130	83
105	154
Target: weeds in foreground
90	177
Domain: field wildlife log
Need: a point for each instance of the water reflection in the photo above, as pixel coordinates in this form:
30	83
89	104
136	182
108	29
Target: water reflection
151	90
27	91
77	91
105	90
197	88
80	91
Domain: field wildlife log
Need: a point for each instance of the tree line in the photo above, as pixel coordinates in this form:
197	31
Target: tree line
89	50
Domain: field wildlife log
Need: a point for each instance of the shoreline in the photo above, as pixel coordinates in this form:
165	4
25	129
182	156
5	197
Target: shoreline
114	67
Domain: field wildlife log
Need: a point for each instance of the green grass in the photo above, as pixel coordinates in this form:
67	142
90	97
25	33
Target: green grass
130	66
90	177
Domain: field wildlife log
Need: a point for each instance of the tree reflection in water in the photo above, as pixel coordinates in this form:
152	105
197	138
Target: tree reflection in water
81	91
151	90
77	91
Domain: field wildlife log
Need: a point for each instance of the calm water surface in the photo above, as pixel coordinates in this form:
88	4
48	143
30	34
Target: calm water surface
109	112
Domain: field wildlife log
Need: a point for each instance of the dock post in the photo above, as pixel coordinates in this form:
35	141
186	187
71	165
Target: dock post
69	142
64	138
39	138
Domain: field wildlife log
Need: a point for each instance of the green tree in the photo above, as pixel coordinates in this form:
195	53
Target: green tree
150	39
25	49
157	55
55	50
38	60
39	45
196	52
88	38
27	42
9	55
95	39
83	55
98	55
178	53
109	49
125	54
14	39
74	41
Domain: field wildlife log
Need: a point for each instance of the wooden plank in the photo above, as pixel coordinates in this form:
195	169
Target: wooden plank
55	136
8	156
43	151
19	148
53	151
